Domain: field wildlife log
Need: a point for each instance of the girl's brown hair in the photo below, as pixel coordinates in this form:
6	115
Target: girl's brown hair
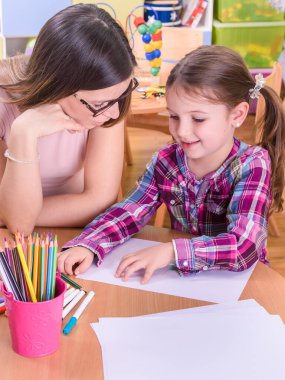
80	48
224	73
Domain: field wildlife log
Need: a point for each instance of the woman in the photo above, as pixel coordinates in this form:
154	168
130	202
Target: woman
59	163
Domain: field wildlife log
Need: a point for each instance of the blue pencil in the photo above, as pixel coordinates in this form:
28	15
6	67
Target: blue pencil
49	271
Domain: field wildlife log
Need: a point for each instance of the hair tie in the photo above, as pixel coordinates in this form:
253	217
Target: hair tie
259	84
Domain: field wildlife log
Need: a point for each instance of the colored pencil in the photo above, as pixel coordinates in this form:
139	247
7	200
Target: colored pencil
19	273
4	277
7	251
12	280
42	271
69	281
11	261
36	265
26	271
54	267
29	254
28	268
49	271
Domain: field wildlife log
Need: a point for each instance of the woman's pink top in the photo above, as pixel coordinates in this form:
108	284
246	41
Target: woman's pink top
61	154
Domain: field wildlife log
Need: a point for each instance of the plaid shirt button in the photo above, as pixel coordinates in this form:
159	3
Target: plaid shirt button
185	263
205	267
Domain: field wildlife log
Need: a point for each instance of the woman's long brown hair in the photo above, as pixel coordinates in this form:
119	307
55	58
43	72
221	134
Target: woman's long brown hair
80	48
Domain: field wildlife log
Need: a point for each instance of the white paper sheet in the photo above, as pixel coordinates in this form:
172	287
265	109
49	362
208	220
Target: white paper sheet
212	286
208	344
244	306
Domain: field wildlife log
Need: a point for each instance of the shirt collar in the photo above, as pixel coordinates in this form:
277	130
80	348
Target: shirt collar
238	148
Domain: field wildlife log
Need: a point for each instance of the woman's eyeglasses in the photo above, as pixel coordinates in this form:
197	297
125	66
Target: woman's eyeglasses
96	112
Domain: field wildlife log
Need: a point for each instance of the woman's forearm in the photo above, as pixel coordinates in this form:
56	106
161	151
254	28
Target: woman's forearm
20	188
73	210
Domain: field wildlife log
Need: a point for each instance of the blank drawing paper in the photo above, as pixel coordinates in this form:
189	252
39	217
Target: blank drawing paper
213	286
213	342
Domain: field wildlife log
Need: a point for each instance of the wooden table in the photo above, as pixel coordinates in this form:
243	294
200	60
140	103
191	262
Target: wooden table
79	356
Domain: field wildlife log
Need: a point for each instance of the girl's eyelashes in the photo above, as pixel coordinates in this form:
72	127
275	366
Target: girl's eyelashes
197	120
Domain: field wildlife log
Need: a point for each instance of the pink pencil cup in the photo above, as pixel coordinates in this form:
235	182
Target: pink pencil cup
35	327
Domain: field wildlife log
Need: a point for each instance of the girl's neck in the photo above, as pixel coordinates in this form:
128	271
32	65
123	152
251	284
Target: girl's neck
202	166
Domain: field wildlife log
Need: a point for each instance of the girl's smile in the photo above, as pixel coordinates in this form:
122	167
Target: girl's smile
191	144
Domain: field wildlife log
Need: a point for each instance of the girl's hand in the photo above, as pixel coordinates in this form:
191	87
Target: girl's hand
149	259
74	260
44	120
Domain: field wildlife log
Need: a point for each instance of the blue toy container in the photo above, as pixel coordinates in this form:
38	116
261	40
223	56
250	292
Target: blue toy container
168	12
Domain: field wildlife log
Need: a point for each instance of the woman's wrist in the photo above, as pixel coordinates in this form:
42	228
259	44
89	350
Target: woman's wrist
9	156
22	146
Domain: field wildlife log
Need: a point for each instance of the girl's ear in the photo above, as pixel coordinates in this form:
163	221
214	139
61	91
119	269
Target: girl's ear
238	114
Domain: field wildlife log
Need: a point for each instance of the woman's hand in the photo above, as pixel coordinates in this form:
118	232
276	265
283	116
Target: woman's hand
74	260
149	259
44	120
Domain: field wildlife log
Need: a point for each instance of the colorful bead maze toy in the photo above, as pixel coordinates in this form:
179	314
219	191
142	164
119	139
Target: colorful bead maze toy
152	38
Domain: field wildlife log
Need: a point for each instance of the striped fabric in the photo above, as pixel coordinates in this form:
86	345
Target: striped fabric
227	211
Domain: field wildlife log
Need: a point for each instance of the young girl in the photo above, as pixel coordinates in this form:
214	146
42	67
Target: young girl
214	186
79	78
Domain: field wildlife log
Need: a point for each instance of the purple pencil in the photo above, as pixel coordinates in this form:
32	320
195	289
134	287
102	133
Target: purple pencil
7	251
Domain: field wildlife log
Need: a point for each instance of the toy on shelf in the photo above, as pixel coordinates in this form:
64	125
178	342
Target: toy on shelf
193	14
152	38
152	91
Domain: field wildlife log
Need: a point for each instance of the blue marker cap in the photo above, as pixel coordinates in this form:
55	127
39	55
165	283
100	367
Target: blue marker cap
69	325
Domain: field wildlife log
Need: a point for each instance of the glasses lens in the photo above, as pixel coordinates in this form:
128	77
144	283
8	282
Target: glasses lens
133	85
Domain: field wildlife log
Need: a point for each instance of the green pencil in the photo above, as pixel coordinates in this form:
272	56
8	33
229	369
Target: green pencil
54	267
70	282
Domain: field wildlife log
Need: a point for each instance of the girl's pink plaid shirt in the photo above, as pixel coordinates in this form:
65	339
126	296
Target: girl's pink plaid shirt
227	215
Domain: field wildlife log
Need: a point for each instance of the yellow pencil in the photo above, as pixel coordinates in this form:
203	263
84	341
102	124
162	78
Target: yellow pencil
26	270
36	265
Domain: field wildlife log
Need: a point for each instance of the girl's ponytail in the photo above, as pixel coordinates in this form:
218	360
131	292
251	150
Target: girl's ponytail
271	132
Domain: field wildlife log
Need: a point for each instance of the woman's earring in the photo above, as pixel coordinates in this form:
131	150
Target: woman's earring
237	125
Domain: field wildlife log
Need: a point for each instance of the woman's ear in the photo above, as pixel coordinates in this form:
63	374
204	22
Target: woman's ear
238	114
